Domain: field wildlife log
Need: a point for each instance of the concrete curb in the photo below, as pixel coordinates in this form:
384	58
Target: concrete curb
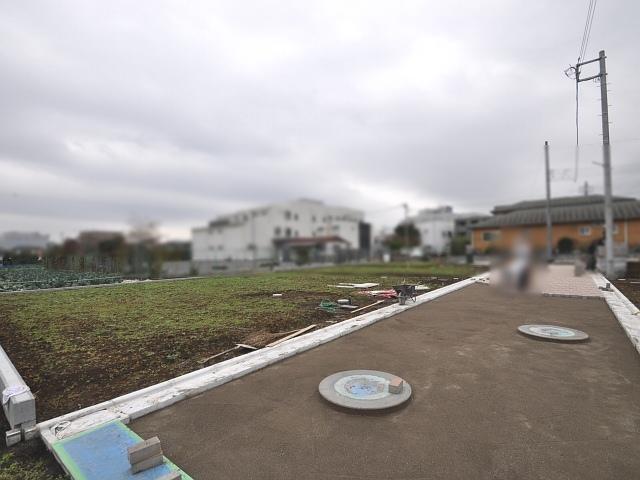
20	409
624	310
136	404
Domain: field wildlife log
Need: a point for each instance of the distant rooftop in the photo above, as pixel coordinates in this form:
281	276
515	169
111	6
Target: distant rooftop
578	209
557	202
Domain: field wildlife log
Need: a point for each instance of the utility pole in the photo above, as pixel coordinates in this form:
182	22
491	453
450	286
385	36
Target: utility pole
548	209
253	240
406	230
606	155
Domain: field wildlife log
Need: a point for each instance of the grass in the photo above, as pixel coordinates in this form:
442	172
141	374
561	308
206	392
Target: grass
28	461
76	348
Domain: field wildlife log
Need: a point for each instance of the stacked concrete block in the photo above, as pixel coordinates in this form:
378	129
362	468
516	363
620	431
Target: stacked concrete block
146	454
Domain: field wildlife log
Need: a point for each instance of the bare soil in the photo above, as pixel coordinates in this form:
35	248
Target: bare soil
110	368
630	288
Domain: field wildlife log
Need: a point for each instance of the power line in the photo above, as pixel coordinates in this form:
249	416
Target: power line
586	33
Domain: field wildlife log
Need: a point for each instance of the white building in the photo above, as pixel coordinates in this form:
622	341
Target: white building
436	226
280	231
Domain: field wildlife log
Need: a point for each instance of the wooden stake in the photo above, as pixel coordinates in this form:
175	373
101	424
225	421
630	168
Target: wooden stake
294	334
238	345
208	359
367	306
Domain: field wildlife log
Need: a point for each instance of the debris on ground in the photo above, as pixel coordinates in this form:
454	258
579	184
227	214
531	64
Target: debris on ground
277	295
294	334
390	293
238	346
355	285
328	306
421	287
367	306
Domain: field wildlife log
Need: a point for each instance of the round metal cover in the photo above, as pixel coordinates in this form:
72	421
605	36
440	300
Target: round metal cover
363	390
553	332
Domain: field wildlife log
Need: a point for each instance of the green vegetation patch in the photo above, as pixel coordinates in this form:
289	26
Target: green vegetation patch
76	348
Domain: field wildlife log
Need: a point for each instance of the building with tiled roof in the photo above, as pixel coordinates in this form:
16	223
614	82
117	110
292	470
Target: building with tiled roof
577	221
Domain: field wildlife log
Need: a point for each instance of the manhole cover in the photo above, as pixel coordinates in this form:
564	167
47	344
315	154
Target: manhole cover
363	390
552	332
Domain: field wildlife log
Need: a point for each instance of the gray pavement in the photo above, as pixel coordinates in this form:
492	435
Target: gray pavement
488	402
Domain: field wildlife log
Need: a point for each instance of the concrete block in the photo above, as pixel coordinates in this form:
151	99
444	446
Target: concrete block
396	385
20	408
30	433
147	463
143	450
13	437
171	476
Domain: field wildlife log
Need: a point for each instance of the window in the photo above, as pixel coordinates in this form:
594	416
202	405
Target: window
295	216
295	234
277	231
585	231
287	215
287	232
490	236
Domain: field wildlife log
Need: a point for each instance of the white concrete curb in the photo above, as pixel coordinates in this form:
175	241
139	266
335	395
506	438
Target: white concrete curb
625	312
136	404
20	408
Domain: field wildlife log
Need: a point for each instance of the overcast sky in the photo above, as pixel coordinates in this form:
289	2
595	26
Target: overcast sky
179	111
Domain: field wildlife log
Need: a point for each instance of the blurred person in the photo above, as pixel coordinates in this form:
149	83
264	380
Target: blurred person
516	273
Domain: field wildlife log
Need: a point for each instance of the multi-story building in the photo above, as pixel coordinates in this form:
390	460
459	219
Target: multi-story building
436	227
283	232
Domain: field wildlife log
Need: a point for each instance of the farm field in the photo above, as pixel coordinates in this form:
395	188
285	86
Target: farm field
36	277
76	348
79	347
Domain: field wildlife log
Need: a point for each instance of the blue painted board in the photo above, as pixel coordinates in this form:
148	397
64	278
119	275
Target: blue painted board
101	454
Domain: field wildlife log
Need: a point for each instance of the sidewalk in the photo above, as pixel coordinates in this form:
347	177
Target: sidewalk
559	281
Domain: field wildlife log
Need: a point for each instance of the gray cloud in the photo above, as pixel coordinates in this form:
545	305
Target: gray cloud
120	109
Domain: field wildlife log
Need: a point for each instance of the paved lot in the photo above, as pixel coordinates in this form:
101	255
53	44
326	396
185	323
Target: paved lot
559	280
488	403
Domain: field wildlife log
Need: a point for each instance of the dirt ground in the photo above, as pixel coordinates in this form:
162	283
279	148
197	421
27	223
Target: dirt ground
488	402
630	288
75	362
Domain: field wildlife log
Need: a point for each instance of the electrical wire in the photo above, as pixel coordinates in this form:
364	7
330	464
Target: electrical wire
586	33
